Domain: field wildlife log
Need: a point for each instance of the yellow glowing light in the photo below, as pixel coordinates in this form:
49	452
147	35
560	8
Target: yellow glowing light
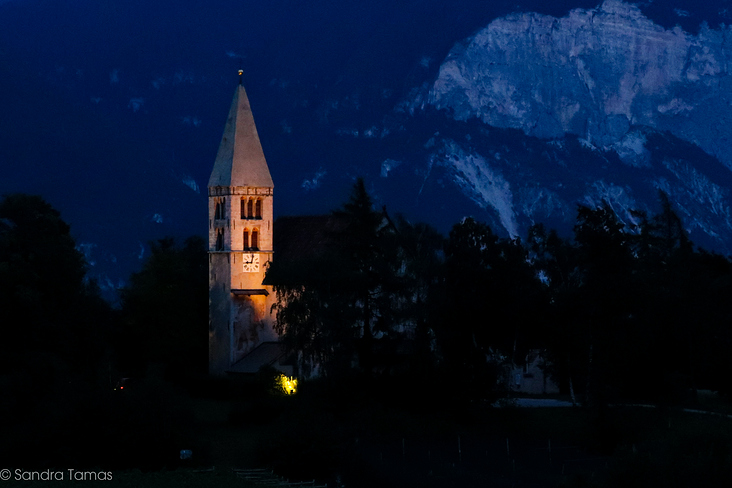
288	384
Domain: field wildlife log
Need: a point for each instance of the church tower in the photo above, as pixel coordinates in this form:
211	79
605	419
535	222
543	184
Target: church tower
240	222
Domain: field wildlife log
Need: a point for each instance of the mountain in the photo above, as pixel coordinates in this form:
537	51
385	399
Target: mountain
510	111
629	90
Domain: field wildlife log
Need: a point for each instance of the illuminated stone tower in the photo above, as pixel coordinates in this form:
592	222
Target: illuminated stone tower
239	241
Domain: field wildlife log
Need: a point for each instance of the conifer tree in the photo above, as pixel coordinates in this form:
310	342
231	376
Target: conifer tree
333	306
163	307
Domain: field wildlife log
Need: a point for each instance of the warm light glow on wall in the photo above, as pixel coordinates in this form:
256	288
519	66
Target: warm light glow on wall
288	384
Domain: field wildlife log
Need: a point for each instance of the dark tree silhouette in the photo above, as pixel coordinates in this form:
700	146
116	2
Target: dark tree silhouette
163	309
53	353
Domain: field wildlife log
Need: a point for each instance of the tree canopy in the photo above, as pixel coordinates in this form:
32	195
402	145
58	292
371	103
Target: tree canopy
164	311
55	350
614	306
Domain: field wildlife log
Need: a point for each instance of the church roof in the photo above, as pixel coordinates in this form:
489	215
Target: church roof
307	240
305	236
240	160
248	292
265	354
301	243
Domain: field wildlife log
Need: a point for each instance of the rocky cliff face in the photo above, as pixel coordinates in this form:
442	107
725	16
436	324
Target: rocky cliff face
593	73
610	107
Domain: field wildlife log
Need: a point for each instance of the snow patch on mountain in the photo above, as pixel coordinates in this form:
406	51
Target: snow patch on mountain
481	183
388	165
135	104
618	197
87	249
191	120
182	76
314	182
632	150
347	132
158	82
539	204
703	203
190	183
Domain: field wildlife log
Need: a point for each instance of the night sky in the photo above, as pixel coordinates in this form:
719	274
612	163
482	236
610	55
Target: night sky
113	110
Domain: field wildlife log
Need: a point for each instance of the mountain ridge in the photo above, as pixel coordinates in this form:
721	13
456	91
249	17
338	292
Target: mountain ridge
115	111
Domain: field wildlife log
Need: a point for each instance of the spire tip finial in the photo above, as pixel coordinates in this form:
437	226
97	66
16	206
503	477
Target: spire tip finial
241	72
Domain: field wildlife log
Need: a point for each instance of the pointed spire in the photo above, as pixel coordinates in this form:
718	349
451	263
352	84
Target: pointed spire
240	160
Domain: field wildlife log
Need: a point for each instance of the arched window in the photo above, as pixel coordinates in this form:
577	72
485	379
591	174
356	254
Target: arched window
220	209
220	240
250	212
255	239
258	209
243	208
245	240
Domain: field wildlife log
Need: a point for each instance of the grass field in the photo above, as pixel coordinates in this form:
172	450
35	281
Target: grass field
381	439
366	441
